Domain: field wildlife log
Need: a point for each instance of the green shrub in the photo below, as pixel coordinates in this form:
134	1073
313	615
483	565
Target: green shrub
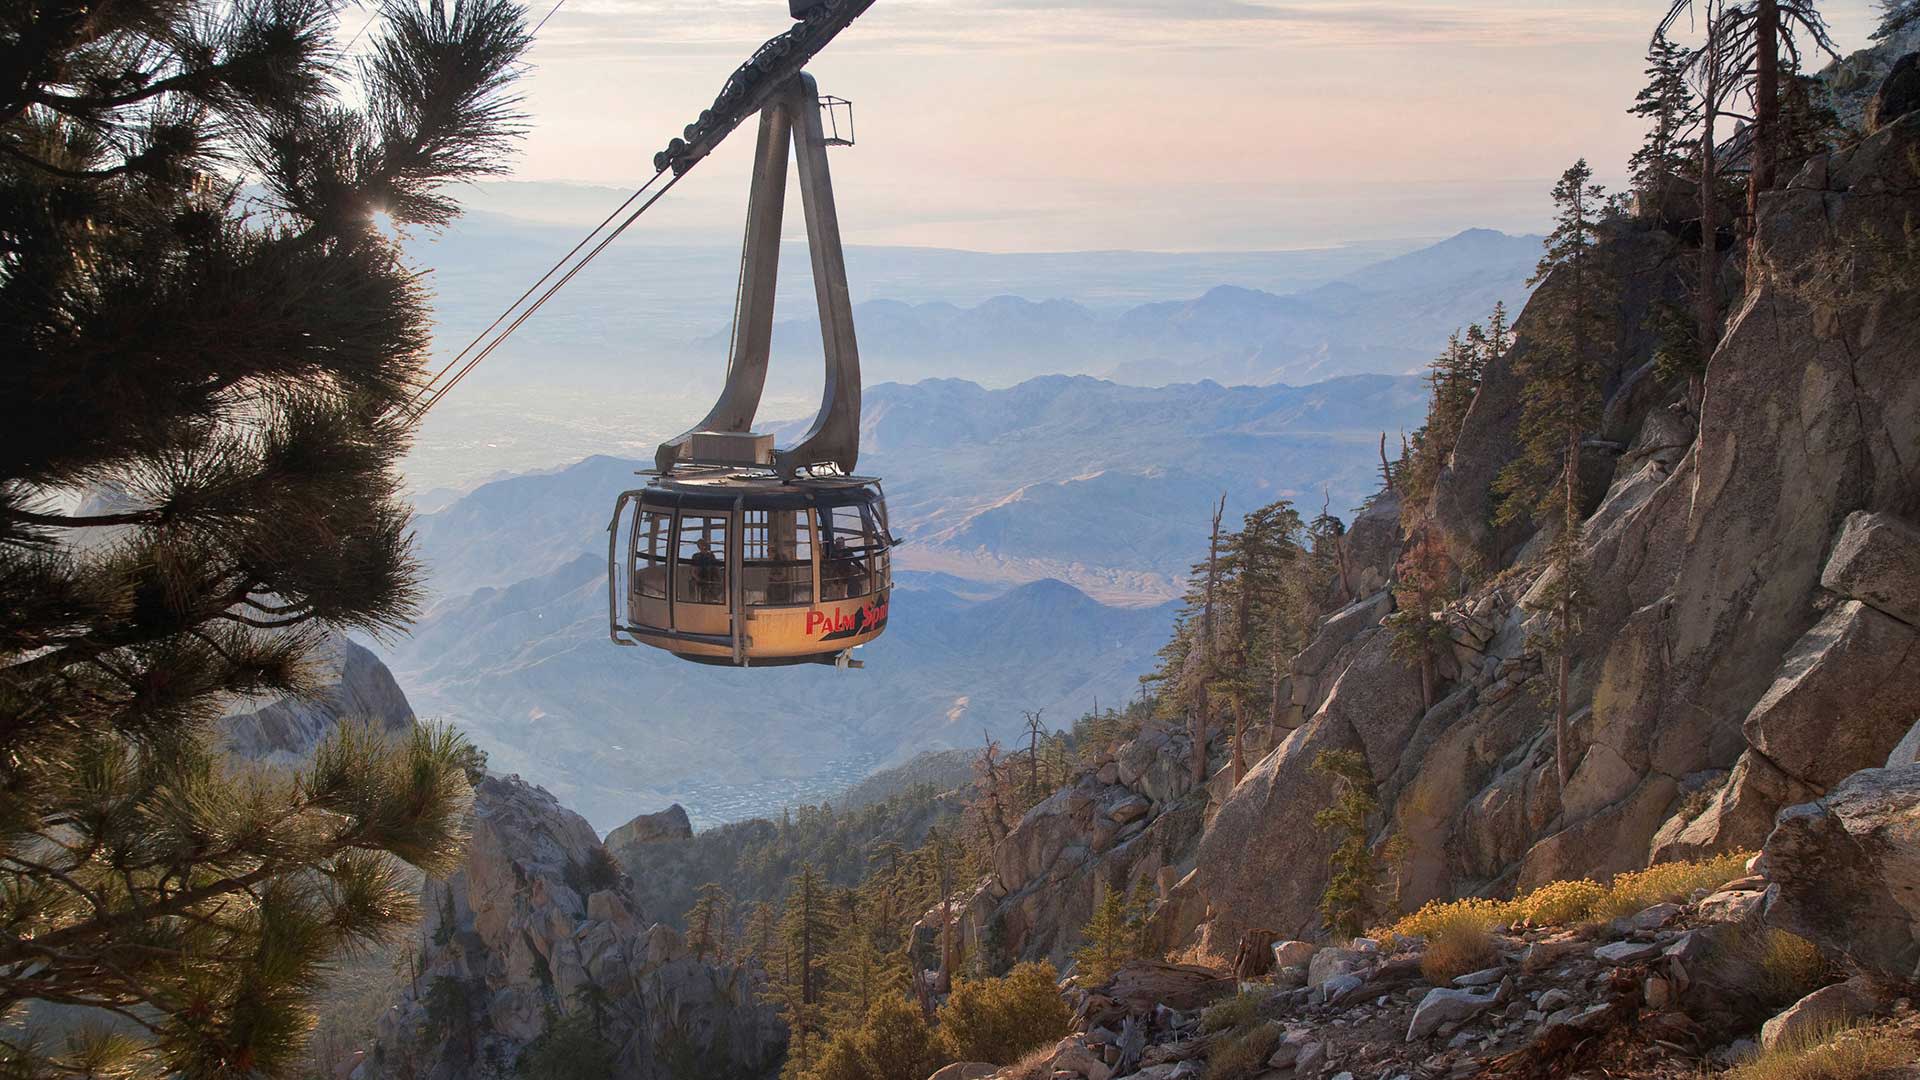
840	1060
570	1049
895	1041
998	1020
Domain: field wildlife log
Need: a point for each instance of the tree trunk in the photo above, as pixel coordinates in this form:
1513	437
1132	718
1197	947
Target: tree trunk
1273	703
946	925
1254	959
1568	524
1033	756
1766	106
1426	676
1707	298
1202	723
1239	737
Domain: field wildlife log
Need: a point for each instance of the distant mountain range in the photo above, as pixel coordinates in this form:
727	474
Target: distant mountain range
636	346
1386	317
1049	515
1104	486
1000	494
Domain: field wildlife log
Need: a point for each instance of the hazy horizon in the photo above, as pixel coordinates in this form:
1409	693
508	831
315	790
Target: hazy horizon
996	127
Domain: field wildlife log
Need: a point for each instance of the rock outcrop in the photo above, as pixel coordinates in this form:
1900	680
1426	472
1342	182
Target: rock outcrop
539	923
1130	819
669	824
1754	577
356	687
1847	870
1665	992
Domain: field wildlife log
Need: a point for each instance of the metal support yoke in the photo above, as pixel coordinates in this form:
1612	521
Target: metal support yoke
791	117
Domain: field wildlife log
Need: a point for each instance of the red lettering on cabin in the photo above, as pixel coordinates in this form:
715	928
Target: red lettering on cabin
871	617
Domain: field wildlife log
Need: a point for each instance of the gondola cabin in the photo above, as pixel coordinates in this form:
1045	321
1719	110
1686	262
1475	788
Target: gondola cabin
737	552
734	566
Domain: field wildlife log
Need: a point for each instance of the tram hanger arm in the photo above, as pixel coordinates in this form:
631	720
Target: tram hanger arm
755	82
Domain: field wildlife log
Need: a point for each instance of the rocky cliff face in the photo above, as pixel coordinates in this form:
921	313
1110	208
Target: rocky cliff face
356	686
1747	645
540	924
1749	642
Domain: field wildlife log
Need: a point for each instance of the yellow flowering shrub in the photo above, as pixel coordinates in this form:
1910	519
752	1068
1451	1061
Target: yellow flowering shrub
1667	882
1442	916
1560	902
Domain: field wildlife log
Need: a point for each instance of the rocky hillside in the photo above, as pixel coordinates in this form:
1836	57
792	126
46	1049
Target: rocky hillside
1664	991
538	927
1752	581
355	687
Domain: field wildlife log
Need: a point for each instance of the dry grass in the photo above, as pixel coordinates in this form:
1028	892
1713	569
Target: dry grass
1836	1053
1458	950
1037	1065
1243	1052
1790	965
1198	956
1242	1010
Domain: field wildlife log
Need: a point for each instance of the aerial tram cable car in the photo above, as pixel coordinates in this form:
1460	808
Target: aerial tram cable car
737	552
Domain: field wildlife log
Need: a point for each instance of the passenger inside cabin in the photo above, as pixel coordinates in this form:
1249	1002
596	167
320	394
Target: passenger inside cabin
708	586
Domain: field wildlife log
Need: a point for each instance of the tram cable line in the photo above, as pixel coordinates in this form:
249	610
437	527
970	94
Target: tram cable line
431	392
737	552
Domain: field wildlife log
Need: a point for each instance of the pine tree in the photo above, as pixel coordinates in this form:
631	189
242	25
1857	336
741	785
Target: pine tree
707	922
1328	558
1895	16
861	970
1560	394
221	379
1755	44
1351	898
1035	728
1668	106
760	938
1422	587
1261	568
806	937
1108	939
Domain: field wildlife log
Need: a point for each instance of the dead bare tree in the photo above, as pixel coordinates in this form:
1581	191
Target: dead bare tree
990	773
1035	728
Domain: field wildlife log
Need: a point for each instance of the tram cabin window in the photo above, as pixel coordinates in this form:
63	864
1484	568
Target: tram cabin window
777	557
651	549
848	541
702	576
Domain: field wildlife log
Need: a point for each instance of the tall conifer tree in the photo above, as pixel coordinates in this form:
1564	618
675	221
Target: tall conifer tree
1669	108
210	346
1562	367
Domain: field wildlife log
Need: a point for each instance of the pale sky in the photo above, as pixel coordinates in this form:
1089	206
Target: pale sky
1174	125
